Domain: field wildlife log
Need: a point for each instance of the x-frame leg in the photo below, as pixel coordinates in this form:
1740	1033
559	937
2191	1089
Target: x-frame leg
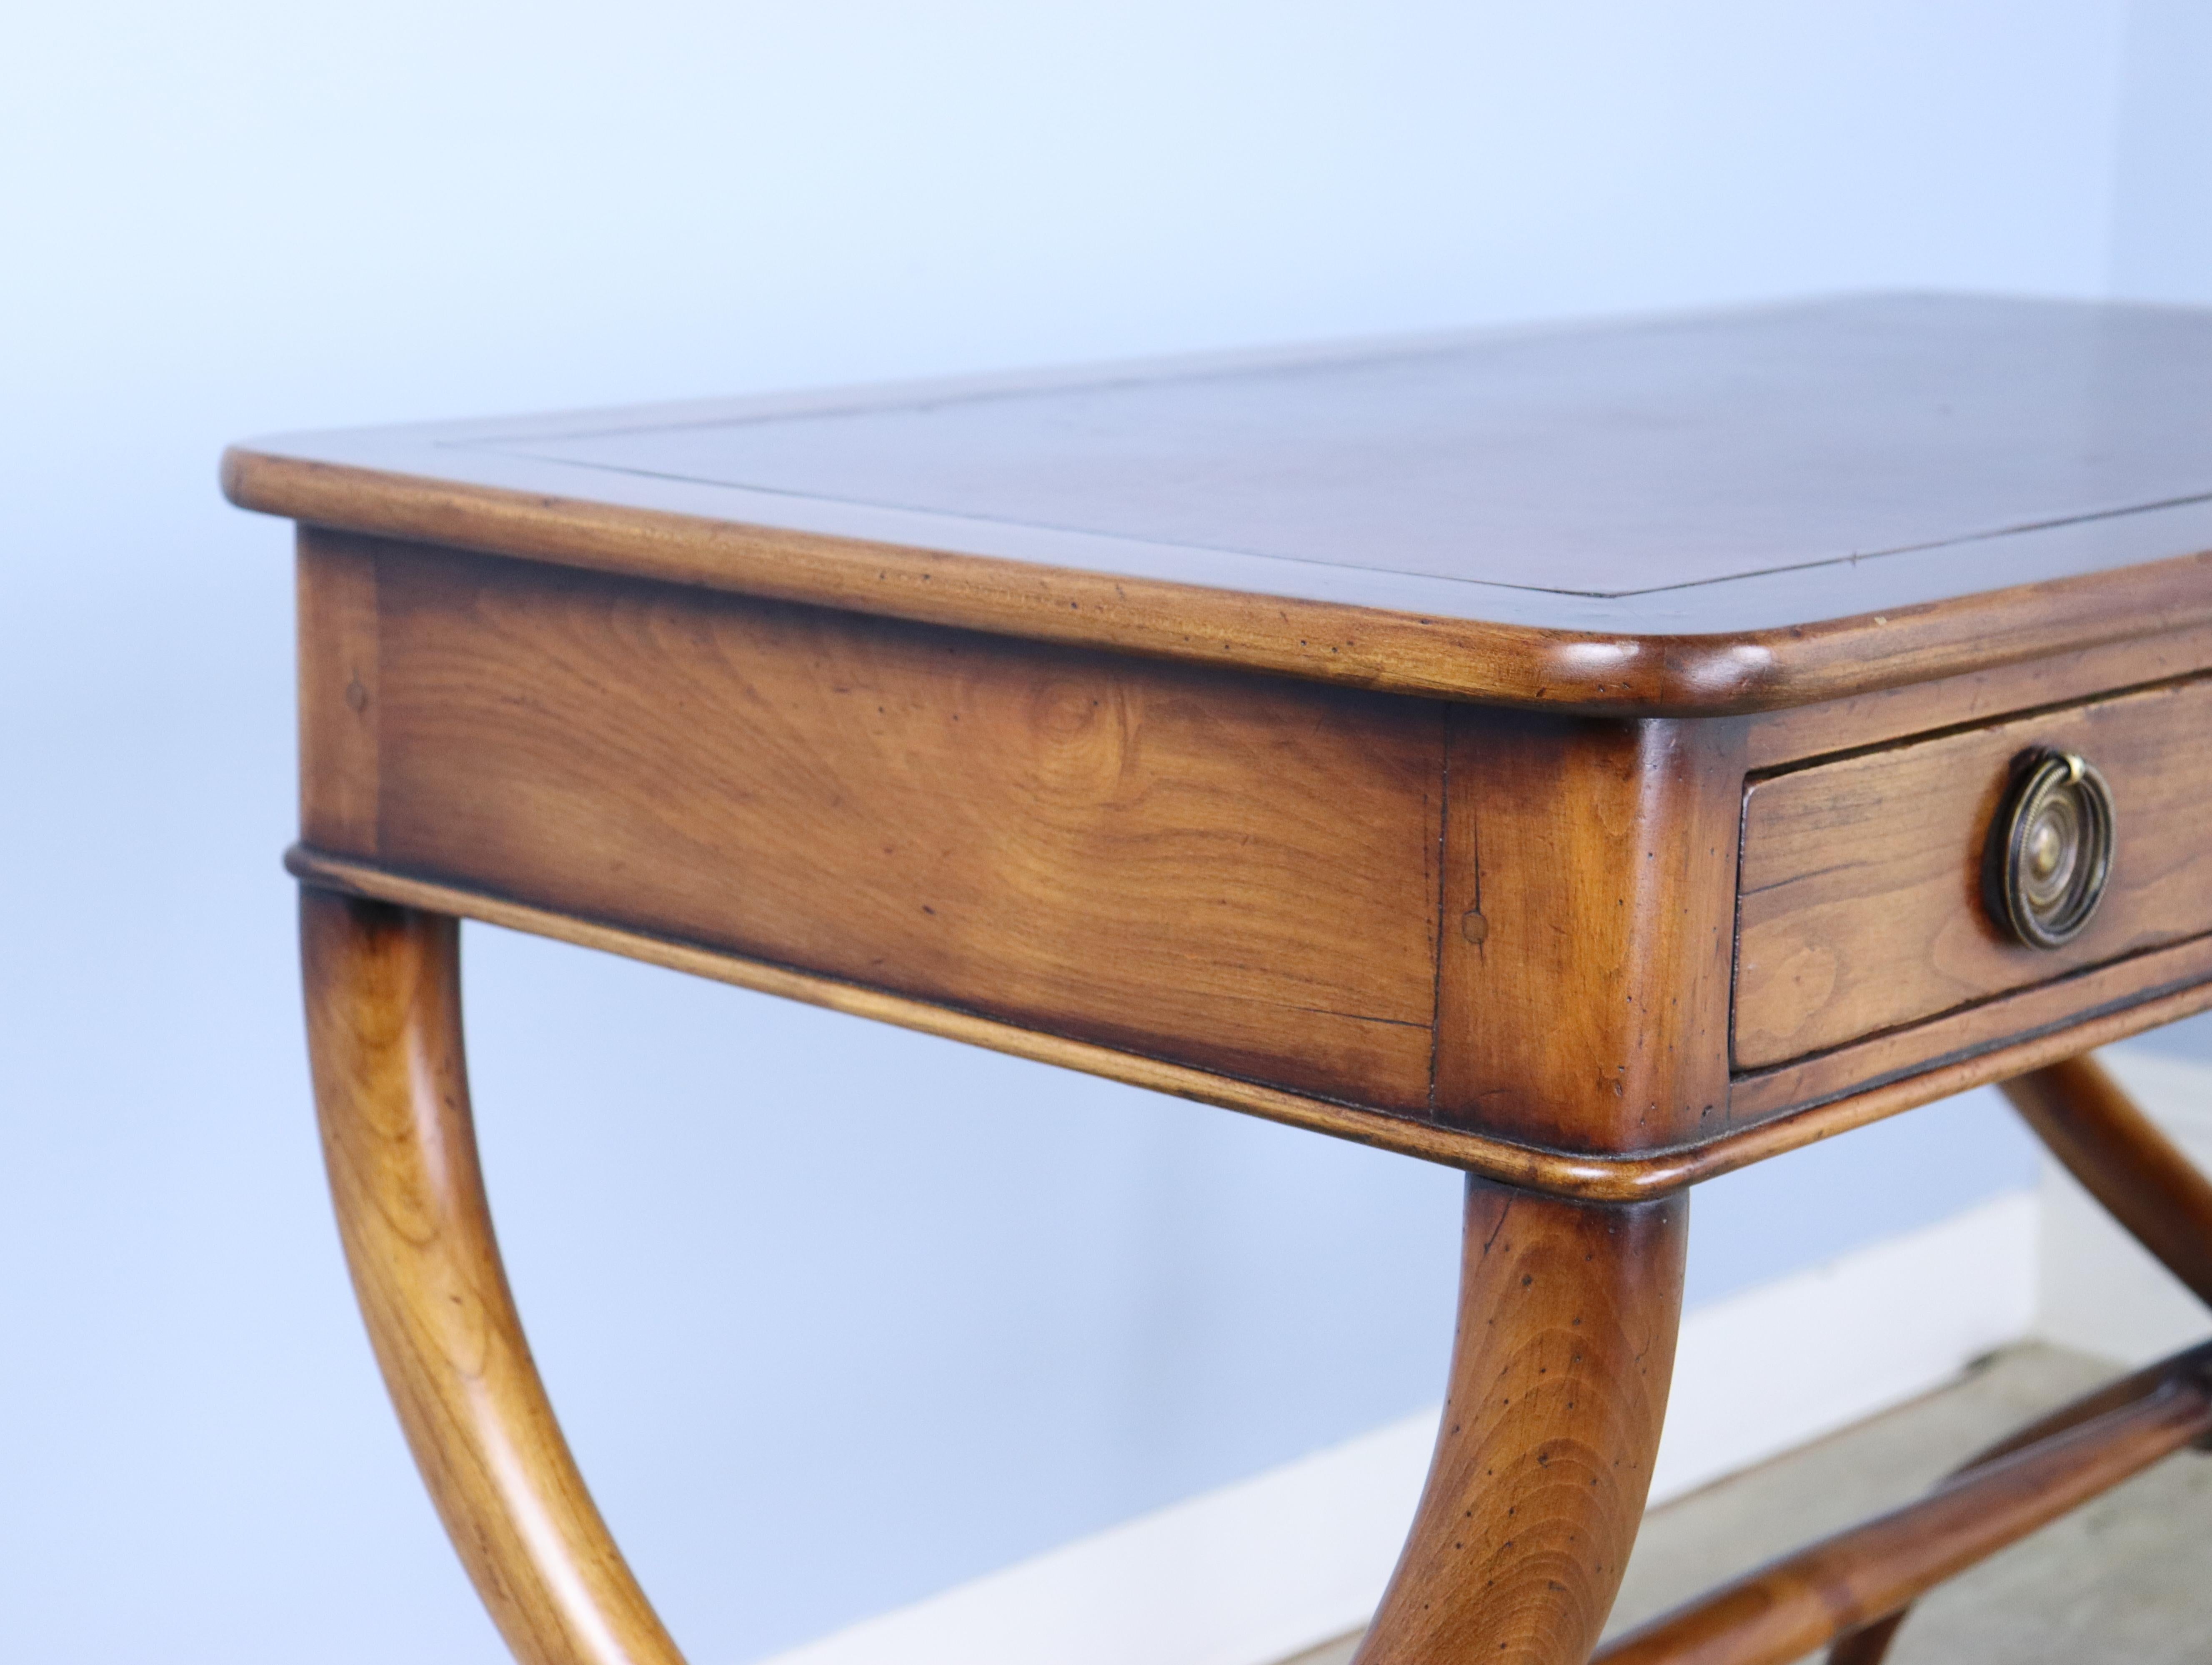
1568	1315
384	1030
1853	1590
2144	1181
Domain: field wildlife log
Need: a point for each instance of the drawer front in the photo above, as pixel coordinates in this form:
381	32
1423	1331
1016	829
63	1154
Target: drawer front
1860	907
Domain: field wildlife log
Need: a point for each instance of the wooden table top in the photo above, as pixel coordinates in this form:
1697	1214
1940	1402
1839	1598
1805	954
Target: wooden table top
801	694
1715	512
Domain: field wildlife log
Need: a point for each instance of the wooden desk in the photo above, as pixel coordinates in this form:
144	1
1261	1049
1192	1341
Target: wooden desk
1586	758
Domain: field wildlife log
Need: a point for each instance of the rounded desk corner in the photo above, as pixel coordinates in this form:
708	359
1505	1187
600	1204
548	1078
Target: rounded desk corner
235	472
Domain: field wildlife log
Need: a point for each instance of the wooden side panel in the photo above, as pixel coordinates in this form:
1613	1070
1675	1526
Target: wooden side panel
1589	891
1862	907
1232	870
339	706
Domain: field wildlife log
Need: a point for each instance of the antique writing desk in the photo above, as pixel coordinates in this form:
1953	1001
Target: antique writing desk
1595	759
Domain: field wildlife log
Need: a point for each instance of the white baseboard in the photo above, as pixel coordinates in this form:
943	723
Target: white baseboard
1257	1571
2101	1292
1805	1355
1246	1575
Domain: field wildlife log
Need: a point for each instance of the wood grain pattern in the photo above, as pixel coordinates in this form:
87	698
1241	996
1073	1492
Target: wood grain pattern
1559	1375
1590	1178
339	705
384	1030
1227	871
1862	907
1590	897
1639	519
1558	1391
1792	1605
1110	719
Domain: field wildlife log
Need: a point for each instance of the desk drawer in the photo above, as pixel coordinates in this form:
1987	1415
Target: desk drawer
1861	908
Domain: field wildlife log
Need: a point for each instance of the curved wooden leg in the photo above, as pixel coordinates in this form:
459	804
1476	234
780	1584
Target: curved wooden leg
1558	1387
2144	1181
1867	1574
384	1029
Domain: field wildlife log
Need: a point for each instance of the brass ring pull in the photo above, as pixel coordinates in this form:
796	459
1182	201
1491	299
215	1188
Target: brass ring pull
2051	851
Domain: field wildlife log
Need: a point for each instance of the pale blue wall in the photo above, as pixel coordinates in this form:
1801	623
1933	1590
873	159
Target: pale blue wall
1082	1300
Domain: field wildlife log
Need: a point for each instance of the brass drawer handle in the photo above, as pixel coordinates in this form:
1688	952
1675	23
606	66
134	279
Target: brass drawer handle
2051	849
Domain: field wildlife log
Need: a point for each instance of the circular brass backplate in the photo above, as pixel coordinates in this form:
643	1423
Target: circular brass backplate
2050	850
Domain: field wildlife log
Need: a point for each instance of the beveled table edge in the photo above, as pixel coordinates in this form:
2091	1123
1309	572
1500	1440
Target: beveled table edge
1576	1174
1598	670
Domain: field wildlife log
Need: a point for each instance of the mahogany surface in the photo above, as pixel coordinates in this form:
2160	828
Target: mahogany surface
1568	755
1744	510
